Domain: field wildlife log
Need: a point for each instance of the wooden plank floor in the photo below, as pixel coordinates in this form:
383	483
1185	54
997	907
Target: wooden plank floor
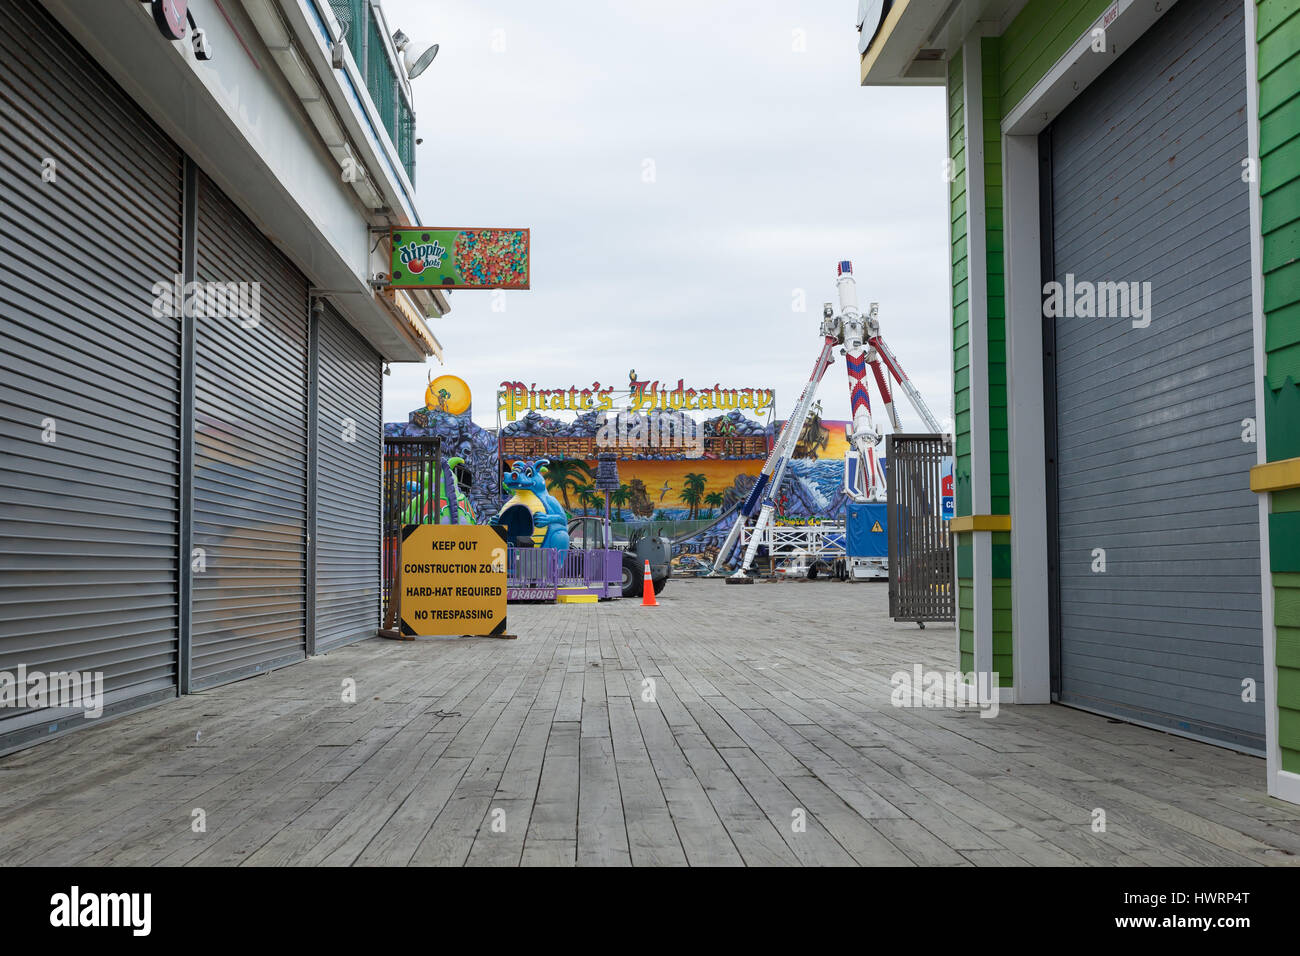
699	733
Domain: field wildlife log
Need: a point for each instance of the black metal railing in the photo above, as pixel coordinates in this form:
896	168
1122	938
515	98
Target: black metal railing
413	494
921	586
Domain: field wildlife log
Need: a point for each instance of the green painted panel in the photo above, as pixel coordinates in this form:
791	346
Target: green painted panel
965	560
1282	246
1284	542
1288	738
1280	122
1288	647
1286	600
1282	417
1283	363
1038	37
1282	286
1283	327
1278	26
1002	562
1288	688
1270	14
1001	641
1279	42
1282	205
1277	87
957	196
1291	760
1003	667
1288	500
959	224
1279	167
1001	594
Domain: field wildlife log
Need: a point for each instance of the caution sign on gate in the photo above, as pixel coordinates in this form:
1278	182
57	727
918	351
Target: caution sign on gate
452	580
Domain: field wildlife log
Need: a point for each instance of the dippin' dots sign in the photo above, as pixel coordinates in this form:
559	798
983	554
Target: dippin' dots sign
420	256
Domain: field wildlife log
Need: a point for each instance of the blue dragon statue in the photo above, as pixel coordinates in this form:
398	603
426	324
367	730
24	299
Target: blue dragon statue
533	511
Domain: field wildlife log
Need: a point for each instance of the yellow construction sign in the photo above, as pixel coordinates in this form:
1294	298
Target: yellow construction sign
452	580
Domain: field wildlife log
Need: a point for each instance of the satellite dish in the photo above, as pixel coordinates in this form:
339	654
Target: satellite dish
871	13
421	63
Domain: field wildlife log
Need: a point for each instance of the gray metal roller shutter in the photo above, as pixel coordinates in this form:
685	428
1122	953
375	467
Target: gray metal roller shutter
250	456
88	522
1146	185
349	447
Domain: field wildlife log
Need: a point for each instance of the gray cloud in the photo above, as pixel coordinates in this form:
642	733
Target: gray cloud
771	165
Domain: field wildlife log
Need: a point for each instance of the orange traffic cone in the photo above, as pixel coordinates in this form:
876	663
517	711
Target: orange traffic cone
648	589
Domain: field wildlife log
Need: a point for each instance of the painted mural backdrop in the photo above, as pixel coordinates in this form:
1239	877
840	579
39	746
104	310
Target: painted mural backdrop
691	494
446	415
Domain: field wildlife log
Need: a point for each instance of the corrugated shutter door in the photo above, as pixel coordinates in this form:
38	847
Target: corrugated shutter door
348	453
250	455
1146	185
88	556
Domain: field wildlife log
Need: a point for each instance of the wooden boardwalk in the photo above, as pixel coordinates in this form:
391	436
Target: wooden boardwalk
770	705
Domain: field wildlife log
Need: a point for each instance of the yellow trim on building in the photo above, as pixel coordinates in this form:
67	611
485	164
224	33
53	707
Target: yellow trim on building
1275	475
967	523
891	20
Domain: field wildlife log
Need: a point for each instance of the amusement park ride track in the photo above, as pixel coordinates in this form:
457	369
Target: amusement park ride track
696	532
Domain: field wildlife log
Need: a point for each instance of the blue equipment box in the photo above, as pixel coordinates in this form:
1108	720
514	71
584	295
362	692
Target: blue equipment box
868	530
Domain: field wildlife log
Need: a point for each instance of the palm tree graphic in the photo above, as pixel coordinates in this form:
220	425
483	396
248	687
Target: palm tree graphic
565	475
693	492
619	497
589	499
714	500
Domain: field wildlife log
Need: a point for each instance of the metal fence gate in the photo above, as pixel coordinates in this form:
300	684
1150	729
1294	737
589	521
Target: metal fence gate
408	463
920	545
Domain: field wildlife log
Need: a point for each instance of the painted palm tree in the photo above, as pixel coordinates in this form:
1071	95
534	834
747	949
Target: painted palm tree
588	498
619	498
714	500
565	475
693	492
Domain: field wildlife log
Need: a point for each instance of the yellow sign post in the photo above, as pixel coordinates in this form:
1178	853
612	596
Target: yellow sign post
452	580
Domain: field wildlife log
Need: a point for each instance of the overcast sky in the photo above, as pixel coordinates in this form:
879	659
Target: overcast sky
770	165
